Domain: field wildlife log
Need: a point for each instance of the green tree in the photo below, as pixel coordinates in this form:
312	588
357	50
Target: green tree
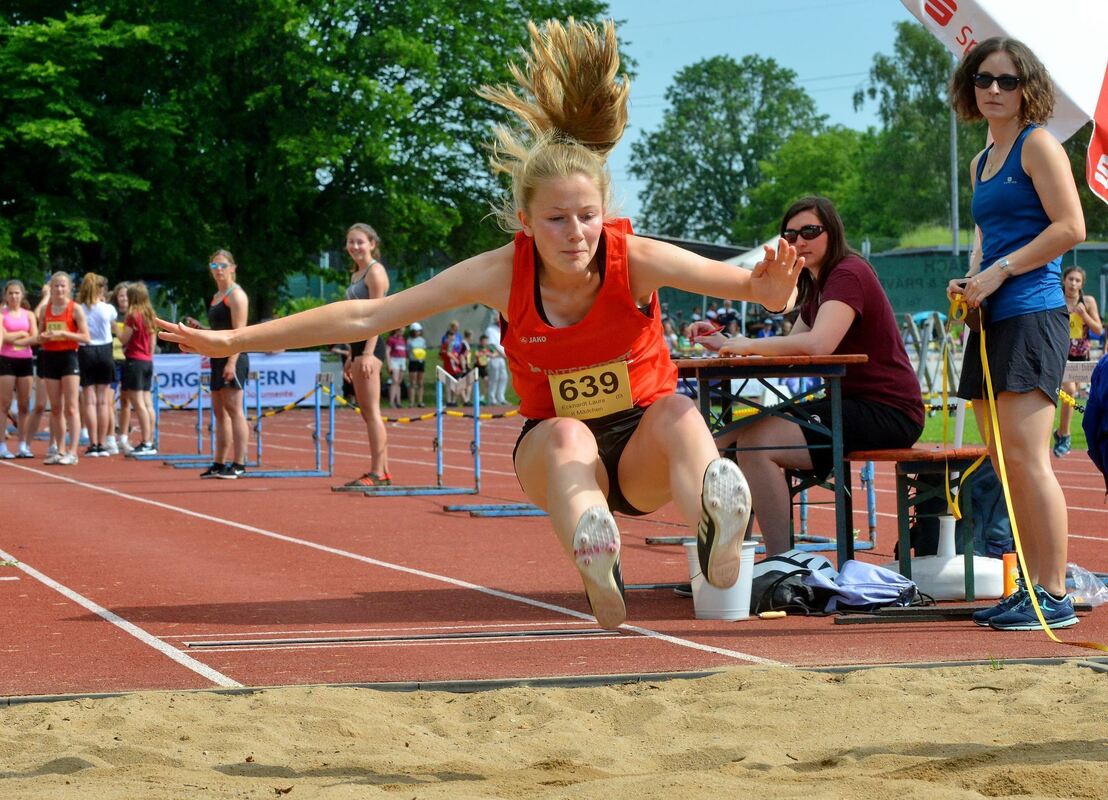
65	138
725	119
263	126
1096	210
905	177
824	163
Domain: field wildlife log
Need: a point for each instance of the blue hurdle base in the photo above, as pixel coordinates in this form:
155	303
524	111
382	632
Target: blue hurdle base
285	473
499	509
408	491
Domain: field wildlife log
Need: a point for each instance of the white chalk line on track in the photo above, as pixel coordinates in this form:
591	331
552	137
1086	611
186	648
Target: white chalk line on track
686	643
182	658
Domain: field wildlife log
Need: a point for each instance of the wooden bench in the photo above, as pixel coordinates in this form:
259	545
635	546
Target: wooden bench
914	465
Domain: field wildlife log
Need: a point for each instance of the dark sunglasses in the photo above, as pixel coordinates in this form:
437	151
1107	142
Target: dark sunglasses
1007	83
808	232
214	265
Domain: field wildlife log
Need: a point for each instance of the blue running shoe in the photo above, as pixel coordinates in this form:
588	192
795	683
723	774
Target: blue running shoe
1057	613
984	615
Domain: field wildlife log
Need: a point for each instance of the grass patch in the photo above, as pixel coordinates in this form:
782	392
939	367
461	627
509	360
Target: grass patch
933	430
933	236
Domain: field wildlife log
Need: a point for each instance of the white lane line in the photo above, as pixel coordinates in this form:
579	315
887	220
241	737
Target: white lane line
10	578
735	654
218	678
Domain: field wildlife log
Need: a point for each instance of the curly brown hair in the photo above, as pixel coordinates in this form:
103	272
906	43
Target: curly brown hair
1038	89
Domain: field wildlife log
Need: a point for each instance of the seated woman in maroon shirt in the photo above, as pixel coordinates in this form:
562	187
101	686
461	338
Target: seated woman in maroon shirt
843	309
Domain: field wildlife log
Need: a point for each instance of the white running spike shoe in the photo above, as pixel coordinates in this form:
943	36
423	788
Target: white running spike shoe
725	512
596	551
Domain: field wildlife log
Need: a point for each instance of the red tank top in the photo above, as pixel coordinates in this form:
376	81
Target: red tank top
614	358
60	322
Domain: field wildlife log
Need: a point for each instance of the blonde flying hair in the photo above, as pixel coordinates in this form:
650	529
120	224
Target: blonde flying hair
572	100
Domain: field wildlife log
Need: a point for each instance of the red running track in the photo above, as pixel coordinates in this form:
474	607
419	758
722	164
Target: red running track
134	575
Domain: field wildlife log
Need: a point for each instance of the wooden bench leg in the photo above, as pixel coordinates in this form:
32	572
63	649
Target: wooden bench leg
903	528
965	503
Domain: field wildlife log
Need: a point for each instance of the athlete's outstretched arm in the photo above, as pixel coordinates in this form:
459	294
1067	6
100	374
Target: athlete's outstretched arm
656	264
484	279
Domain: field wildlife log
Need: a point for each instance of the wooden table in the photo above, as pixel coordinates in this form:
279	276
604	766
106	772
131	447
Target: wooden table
760	369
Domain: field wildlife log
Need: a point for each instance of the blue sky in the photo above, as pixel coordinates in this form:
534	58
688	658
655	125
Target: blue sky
829	45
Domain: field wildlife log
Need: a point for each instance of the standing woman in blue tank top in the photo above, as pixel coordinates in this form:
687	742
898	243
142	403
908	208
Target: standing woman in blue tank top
1028	214
368	281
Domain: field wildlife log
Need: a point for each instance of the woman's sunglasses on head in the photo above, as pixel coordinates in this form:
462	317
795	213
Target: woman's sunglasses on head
1007	83
806	232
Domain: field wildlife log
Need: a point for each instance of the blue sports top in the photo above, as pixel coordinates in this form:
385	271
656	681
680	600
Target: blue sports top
1007	209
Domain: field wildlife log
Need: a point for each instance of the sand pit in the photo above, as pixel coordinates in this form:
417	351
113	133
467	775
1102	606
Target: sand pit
956	732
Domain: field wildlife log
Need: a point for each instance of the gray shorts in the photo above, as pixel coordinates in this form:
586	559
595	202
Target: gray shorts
1025	353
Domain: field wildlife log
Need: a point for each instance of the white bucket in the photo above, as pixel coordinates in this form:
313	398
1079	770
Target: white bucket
729	604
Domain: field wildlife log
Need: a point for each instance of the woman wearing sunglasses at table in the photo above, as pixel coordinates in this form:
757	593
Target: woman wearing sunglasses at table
843	310
227	311
1028	214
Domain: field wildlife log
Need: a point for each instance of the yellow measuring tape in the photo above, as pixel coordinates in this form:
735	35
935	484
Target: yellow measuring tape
958	311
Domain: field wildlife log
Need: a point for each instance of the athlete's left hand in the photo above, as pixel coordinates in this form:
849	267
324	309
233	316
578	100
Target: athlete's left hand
774	277
215	344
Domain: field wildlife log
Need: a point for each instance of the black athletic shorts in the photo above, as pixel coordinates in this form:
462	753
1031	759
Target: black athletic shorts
242	370
138	376
16	367
1025	353
97	367
416	366
379	350
612	434
56	364
867	425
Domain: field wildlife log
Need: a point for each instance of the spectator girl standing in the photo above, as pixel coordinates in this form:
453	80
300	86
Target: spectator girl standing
1028	214
62	328
369	281
137	337
417	363
38	405
579	297
227	311
16	369
97	369
121	424
398	362
1084	320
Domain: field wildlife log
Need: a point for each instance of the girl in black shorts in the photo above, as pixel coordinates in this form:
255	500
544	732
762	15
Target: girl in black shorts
15	365
227	311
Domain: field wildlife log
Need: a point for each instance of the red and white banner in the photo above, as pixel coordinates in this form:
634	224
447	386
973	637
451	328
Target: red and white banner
1070	38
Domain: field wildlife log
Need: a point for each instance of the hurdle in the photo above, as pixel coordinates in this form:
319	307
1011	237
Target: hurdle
204	382
442	377
322	384
195	462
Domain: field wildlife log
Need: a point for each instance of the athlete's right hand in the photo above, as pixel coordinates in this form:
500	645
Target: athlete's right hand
216	344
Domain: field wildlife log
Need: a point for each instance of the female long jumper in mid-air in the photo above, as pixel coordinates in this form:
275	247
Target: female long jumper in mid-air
577	293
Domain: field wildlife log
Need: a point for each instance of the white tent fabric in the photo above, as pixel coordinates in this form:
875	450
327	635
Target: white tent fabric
1067	37
753	256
